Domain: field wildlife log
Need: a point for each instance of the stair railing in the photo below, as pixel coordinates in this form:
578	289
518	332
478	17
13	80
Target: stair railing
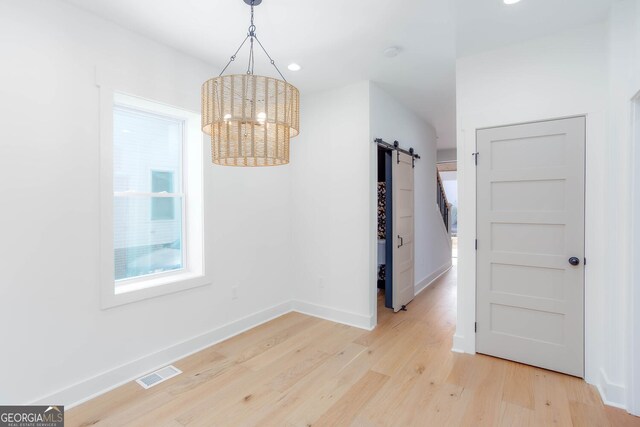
443	204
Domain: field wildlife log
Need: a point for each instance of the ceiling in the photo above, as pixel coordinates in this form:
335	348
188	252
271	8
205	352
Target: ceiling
338	42
490	24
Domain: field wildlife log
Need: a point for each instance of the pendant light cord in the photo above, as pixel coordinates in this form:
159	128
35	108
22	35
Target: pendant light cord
251	35
270	59
233	57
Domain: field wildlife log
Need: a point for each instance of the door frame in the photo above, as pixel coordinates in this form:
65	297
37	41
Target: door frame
584	265
464	337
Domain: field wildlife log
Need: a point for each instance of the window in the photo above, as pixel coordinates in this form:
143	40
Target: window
147	215
155	225
162	208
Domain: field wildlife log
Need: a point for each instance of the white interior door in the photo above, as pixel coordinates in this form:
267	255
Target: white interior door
530	225
402	218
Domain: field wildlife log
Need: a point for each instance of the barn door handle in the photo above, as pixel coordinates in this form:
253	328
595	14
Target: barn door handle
401	241
574	260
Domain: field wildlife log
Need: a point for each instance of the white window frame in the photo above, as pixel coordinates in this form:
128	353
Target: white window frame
193	273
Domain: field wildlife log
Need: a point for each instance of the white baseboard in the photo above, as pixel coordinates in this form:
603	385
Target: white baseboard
458	344
90	388
430	279
335	315
612	394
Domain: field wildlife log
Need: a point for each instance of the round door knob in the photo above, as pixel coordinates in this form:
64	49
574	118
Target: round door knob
574	260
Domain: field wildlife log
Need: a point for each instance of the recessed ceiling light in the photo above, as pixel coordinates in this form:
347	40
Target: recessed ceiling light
510	1
294	67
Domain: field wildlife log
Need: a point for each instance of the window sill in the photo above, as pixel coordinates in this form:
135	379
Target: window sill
153	287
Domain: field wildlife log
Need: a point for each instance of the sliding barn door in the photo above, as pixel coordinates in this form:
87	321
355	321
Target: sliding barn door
530	220
402	218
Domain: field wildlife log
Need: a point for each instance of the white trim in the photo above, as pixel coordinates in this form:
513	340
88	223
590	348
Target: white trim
634	282
99	384
153	287
431	279
141	194
458	344
373	227
113	294
612	394
329	313
85	390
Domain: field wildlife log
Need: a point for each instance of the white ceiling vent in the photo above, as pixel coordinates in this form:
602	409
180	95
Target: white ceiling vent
158	376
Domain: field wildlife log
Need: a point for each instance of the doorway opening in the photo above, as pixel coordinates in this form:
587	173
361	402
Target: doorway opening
385	212
448	179
395	234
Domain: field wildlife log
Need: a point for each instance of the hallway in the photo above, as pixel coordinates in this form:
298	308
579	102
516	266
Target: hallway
302	371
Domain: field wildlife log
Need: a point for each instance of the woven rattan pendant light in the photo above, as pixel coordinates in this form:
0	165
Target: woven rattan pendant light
250	118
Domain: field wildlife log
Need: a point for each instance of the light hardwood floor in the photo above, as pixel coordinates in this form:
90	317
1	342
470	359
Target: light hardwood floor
301	371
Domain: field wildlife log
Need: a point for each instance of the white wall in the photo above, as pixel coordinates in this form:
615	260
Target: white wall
294	237
447	155
558	76
334	200
330	185
54	334
391	121
624	161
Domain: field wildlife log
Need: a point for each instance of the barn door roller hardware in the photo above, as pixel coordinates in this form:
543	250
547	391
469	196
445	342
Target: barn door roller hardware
396	146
